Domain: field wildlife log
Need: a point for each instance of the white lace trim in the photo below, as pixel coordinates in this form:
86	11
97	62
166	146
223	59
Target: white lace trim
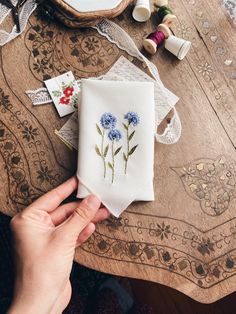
24	15
39	96
173	131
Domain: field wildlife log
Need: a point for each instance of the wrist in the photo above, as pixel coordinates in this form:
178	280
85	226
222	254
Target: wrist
28	302
21	305
17	308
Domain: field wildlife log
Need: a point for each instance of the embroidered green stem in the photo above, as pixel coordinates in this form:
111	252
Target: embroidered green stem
127	156
111	165
113	162
102	151
129	151
103	157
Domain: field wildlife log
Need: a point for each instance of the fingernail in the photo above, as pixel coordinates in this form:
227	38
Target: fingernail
93	201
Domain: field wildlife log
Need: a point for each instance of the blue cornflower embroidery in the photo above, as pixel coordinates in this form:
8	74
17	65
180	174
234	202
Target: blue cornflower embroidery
108	121
114	135
107	127
132	118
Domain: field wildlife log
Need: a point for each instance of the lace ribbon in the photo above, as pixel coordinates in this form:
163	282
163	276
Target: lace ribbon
39	96
24	15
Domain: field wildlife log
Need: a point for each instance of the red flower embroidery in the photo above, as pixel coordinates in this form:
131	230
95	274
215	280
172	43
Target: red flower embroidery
68	91
64	100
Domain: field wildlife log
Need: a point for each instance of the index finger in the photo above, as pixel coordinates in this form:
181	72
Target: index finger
51	200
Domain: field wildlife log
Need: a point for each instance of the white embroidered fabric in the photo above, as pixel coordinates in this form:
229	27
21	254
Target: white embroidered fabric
26	10
39	96
116	144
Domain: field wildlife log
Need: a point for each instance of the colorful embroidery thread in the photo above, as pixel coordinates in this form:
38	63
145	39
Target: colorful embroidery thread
133	120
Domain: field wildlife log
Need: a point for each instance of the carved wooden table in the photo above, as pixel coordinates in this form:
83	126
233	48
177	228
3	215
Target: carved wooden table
186	239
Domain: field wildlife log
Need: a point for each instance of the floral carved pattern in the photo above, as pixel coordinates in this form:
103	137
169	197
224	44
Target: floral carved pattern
21	191
30	136
211	182
54	51
196	271
90	50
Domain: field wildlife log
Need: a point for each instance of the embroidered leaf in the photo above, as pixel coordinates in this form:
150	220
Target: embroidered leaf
64	85
106	150
110	165
56	93
117	151
131	135
132	150
125	126
124	156
98	151
98	129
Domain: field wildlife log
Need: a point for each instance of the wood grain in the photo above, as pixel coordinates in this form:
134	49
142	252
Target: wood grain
186	238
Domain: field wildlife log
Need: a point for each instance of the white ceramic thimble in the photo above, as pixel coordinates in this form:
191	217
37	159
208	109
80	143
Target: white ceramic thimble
142	11
177	46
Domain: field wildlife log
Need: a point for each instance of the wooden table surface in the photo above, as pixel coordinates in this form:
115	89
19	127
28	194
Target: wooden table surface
186	239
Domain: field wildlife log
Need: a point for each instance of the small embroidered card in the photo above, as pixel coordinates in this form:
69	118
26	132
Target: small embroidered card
64	91
116	142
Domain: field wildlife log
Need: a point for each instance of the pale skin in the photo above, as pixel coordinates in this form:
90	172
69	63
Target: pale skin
45	237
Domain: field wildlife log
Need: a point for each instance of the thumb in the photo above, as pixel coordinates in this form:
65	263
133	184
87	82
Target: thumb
81	217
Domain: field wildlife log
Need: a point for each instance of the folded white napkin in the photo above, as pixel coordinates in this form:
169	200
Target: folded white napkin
116	142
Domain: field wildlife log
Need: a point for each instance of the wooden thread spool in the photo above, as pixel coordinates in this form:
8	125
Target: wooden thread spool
156	39
161	3
166	15
165	29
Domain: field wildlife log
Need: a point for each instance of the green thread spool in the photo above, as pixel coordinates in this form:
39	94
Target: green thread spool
166	15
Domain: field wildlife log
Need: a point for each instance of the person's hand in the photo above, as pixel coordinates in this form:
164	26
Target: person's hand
45	236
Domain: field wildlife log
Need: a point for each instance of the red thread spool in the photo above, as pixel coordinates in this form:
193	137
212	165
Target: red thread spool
154	41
